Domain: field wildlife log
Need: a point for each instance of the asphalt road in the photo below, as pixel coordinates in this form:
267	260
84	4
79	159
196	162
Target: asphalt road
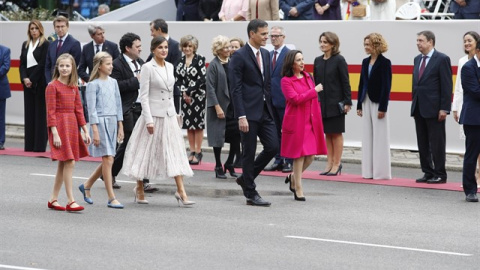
340	226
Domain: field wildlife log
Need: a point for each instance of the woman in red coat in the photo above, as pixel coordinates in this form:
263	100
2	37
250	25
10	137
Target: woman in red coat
302	128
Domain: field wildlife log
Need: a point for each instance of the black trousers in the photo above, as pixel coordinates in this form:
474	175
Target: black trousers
266	131
431	141
278	114
35	112
472	150
129	120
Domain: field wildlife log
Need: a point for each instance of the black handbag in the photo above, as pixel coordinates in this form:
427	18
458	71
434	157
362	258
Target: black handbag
341	107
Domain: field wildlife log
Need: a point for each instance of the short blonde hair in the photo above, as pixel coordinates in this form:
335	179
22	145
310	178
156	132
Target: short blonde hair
218	43
378	42
189	39
73	79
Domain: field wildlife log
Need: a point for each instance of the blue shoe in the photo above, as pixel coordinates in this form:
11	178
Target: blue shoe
117	206
87	199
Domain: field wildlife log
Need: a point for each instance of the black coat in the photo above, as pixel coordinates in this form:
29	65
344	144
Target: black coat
128	83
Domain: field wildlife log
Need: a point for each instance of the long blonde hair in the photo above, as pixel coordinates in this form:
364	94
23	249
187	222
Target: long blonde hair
98	60
73	80
41	38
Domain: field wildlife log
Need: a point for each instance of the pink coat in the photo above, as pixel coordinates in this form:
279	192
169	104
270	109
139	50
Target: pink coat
298	96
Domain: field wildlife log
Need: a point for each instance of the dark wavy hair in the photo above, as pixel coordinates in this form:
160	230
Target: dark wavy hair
287	69
475	36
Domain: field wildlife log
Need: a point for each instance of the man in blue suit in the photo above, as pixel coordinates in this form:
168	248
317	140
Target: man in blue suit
98	44
249	79
431	102
465	9
65	43
4	90
470	119
277	35
297	9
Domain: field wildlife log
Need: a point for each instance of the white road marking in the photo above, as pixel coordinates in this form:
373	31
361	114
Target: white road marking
78	177
381	246
18	267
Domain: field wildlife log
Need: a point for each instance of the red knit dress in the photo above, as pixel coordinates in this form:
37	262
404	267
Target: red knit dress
65	111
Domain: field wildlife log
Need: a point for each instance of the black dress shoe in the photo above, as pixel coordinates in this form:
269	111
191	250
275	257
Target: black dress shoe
471	198
423	179
149	189
287	168
2	147
273	167
257	201
437	180
115	185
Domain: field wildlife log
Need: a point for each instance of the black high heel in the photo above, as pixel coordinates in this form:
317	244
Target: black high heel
192	154
231	169
219	173
298	198
288	179
199	157
325	172
338	172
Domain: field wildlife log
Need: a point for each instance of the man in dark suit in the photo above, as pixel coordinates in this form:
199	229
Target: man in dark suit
126	70
98	44
249	75
465	9
159	27
297	9
431	101
470	119
187	10
4	90
277	35
65	43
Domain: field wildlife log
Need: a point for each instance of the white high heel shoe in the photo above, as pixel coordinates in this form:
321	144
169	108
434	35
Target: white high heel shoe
179	199
138	200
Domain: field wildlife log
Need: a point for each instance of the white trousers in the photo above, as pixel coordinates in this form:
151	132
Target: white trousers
375	143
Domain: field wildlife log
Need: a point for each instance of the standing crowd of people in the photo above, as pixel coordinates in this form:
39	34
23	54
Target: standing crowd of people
137	109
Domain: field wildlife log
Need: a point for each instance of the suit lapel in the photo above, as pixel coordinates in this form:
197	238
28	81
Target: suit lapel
253	58
416	67
431	63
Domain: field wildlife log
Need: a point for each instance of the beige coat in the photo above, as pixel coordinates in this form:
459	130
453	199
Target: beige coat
267	10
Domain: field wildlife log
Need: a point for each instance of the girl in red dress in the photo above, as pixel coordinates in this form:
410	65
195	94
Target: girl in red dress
64	117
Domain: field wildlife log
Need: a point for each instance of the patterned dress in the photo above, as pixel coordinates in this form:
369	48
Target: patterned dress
65	111
192	81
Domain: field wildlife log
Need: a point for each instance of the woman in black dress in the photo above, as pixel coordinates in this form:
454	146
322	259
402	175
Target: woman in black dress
331	71
32	74
190	75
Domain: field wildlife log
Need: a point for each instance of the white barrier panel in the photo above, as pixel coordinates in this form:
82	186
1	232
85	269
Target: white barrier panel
400	35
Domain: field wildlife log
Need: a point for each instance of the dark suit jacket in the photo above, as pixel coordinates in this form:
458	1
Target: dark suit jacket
473	6
433	92
209	9
378	84
304	8
470	114
70	45
187	10
4	68
278	99
128	83
88	52
248	87
333	75
36	74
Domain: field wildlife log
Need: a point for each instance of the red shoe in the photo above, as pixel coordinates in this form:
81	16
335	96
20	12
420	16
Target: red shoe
74	209
55	207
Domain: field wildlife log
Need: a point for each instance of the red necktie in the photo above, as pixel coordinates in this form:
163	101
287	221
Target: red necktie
274	60
259	61
422	67
257	9
59	45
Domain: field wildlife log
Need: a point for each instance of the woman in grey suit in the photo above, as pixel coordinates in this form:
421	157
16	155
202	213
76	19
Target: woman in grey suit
221	124
153	150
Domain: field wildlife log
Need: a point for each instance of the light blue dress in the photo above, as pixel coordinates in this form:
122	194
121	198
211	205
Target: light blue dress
104	109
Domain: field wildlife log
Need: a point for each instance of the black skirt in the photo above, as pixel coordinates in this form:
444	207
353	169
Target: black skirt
334	124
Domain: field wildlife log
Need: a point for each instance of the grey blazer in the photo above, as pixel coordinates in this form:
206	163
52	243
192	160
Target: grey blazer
217	93
156	91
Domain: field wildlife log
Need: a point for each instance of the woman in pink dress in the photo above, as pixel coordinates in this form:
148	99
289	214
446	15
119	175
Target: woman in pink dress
302	128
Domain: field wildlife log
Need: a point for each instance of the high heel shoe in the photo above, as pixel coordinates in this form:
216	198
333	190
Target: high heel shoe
219	173
69	207
137	200
338	172
180	199
55	207
325	172
231	169
302	199
116	206
85	198
288	179
192	155
199	157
